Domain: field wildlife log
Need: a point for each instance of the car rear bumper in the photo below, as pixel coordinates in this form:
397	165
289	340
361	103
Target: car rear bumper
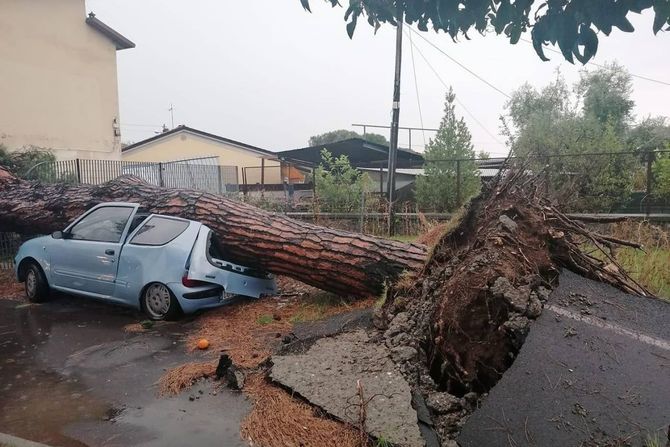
192	299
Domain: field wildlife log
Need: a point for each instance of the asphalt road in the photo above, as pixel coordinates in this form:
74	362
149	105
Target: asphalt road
594	371
71	376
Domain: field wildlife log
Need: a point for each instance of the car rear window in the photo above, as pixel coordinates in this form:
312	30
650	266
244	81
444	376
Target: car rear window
159	231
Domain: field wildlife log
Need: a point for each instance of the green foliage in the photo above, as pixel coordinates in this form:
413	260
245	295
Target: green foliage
20	162
343	134
661	171
552	122
606	96
264	319
573	25
650	134
339	186
436	190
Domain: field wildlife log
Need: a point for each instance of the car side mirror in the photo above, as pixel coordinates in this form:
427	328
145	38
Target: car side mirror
57	235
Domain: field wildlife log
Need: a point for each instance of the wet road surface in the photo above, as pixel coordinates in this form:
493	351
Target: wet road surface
594	371
71	376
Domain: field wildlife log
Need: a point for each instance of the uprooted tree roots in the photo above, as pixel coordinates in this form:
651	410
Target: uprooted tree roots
462	320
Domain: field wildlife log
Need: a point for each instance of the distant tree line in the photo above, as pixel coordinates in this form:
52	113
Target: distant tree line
343	134
561	126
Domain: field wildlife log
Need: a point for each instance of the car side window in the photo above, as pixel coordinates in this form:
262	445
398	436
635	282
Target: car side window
159	231
102	225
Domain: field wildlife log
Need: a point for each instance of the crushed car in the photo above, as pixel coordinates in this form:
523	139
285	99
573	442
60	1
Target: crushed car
119	253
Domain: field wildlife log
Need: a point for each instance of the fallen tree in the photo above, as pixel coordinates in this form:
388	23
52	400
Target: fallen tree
349	264
457	325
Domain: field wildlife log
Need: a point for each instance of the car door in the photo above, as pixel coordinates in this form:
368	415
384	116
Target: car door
86	259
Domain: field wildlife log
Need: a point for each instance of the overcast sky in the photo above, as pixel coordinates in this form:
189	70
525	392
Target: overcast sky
267	73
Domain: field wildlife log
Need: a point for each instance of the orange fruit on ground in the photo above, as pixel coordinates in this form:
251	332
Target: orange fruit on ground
203	343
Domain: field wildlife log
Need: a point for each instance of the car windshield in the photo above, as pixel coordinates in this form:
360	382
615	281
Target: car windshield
102	225
159	231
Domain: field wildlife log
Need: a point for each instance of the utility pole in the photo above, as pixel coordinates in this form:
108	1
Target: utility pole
395	120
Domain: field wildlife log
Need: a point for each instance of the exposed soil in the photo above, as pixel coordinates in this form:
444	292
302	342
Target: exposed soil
452	329
466	315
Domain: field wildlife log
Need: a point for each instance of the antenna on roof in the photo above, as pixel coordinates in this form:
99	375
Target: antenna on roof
171	110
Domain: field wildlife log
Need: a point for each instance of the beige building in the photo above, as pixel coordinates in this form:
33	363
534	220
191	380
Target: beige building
254	165
58	80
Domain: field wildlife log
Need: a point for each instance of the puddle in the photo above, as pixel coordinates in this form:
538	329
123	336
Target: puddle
70	376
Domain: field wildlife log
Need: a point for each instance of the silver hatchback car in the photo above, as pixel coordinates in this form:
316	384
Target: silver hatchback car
160	264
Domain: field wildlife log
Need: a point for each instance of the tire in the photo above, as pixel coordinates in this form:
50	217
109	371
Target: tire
36	285
159	303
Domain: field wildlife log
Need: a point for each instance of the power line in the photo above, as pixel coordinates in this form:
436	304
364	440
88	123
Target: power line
446	86
553	50
460	64
416	87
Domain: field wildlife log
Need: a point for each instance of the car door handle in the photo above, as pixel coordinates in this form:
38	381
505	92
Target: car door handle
109	252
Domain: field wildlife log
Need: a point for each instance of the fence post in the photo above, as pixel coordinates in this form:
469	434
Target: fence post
458	183
647	205
78	172
381	181
160	174
218	171
362	210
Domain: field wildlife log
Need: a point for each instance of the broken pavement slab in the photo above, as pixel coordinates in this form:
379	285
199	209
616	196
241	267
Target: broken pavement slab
327	373
594	370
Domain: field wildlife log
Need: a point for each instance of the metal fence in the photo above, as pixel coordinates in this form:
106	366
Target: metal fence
604	182
607	182
200	173
9	245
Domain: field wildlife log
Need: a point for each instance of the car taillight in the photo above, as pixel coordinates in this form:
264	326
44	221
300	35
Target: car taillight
192	282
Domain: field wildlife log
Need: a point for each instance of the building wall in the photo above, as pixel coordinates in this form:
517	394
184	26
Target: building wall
183	145
58	84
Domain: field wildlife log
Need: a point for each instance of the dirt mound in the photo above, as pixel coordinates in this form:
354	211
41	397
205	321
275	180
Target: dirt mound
468	312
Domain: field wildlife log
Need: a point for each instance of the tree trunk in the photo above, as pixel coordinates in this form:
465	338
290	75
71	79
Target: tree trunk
338	261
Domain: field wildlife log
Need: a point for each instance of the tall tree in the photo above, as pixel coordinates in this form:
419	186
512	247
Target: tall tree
606	95
438	188
343	134
558	129
649	134
574	25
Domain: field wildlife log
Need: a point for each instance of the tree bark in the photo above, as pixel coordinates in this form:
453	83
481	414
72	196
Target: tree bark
338	261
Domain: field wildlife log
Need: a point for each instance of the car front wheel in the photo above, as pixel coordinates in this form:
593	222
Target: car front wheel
37	288
159	303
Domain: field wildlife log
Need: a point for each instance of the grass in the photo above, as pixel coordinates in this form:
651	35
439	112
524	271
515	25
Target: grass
264	319
653	441
650	267
317	307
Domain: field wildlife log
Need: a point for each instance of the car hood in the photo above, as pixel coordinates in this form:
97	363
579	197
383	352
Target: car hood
39	240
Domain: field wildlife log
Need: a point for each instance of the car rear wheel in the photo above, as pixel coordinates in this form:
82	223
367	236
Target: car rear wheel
37	288
159	303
